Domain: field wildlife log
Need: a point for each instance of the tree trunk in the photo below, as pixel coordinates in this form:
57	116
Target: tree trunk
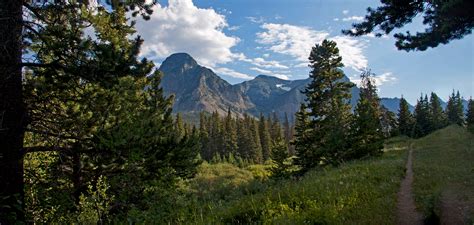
12	112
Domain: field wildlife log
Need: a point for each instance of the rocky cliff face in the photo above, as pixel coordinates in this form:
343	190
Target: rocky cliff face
197	88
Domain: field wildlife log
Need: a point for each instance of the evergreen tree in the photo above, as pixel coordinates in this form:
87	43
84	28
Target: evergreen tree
275	127
470	116
389	122
279	157
454	110
422	117
204	137
287	129
179	126
405	119
437	116
265	138
230	134
445	21
328	103
216	136
366	131
255	144
245	140
303	140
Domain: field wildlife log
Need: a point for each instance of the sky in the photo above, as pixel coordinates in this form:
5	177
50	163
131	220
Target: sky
240	39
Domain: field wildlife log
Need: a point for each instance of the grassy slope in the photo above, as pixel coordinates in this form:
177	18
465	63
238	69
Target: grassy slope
443	163
362	192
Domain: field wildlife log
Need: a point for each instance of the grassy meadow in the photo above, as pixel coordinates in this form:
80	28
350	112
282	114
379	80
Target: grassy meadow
443	165
358	192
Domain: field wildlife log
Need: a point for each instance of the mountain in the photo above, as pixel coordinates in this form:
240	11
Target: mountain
393	104
197	88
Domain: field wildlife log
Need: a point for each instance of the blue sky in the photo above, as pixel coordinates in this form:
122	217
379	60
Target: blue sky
240	39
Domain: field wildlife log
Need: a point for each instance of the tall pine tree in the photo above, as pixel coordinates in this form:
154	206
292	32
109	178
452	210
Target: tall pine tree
470	115
366	129
327	99
405	119
438	118
265	138
422	117
454	110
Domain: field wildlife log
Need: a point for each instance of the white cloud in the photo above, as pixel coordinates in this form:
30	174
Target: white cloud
345	12
372	35
232	73
385	78
262	71
382	79
233	28
351	51
353	18
261	62
336	19
281	76
266	55
255	19
182	27
297	42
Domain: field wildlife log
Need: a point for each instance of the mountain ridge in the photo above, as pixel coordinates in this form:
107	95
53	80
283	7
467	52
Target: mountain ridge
197	88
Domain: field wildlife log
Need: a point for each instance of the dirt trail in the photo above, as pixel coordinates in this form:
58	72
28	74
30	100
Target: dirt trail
406	209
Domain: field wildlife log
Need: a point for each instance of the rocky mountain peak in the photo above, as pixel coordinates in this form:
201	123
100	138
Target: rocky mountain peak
178	61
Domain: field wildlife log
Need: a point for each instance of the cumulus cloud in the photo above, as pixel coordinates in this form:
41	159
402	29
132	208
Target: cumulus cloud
345	12
353	18
296	41
182	27
231	73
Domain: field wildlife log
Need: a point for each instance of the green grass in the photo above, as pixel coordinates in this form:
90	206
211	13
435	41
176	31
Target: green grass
444	163
360	192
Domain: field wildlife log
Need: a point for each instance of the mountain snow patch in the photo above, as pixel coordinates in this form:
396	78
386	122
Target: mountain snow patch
283	87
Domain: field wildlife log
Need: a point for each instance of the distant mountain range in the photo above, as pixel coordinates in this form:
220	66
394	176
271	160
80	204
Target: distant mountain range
197	88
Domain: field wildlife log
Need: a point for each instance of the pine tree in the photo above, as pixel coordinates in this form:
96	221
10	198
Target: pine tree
204	137
366	131
405	119
422	117
265	138
179	126
216	137
275	127
438	118
470	115
287	129
328	103
57	46
230	134
389	122
303	140
279	157
454	110
255	144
